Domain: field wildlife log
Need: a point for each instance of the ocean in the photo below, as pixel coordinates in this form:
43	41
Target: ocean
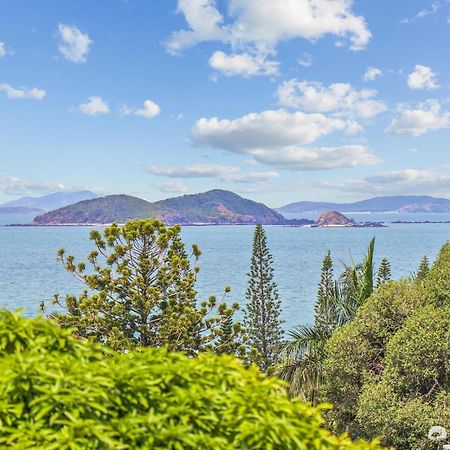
29	272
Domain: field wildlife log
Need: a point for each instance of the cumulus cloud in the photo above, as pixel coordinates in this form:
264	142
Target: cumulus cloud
232	174
94	106
263	23
2	49
279	139
74	45
254	28
315	158
19	186
268	129
22	92
243	64
424	118
340	98
372	73
148	111
422	78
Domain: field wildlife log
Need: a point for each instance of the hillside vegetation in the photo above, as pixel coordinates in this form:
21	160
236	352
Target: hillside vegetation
212	207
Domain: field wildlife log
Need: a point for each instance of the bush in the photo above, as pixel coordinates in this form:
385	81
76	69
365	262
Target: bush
388	372
57	392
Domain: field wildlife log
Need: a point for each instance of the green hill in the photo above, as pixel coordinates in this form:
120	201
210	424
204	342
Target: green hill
212	207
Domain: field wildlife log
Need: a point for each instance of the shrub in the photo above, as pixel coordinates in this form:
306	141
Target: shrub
57	392
388	372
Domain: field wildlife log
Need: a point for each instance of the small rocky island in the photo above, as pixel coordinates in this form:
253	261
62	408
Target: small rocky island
337	219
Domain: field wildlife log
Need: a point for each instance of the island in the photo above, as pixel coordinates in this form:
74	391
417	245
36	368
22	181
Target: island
337	219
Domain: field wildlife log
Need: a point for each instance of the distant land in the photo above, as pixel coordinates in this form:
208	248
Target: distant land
212	207
47	202
400	204
337	219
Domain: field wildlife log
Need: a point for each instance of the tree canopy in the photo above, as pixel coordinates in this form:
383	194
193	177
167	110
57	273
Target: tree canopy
388	373
58	392
141	292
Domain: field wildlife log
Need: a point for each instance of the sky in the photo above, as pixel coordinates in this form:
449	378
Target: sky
277	101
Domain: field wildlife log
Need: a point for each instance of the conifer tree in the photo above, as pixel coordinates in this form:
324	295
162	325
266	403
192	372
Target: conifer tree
384	272
423	269
262	315
325	295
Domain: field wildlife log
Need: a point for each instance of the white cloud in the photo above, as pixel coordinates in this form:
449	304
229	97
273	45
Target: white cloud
315	158
340	98
223	173
2	49
94	106
268	129
243	64
172	187
278	139
422	78
254	28
372	73
435	7
22	92
426	117
74	45
264	23
148	111
305	60
434	181
19	186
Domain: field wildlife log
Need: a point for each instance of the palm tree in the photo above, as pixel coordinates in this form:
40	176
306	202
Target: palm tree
304	354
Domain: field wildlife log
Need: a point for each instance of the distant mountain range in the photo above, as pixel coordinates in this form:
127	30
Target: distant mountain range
47	202
401	203
212	207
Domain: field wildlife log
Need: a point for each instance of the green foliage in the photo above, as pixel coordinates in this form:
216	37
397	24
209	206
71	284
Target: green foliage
337	302
388	371
141	292
384	272
423	269
58	393
262	313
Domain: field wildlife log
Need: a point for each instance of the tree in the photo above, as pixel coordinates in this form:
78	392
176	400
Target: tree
262	314
423	269
303	356
326	295
58	392
141	292
387	373
384	272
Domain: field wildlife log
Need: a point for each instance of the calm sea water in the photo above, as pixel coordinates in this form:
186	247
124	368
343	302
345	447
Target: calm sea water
29	272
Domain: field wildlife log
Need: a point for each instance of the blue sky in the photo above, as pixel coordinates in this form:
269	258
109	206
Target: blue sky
277	101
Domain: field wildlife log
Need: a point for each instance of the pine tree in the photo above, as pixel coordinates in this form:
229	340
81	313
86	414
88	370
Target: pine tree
325	295
423	269
384	272
262	315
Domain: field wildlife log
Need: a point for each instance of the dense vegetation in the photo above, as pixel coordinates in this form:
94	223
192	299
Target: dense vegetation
388	372
58	392
216	206
378	349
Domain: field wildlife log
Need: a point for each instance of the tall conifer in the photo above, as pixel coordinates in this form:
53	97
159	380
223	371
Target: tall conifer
384	272
262	315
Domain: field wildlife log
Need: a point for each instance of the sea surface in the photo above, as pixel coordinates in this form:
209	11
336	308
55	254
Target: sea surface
30	273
